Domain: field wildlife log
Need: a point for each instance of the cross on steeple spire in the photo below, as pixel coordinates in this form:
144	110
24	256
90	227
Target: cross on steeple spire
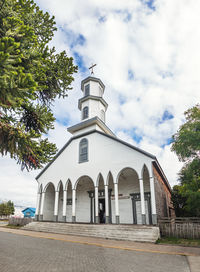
91	67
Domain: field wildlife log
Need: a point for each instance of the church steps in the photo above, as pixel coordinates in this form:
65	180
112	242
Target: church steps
117	232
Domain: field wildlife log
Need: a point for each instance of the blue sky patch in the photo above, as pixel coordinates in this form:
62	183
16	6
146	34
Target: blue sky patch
79	61
130	75
167	115
102	19
166	74
137	138
167	142
126	13
122	99
72	38
63	121
149	4
80	40
134	135
128	17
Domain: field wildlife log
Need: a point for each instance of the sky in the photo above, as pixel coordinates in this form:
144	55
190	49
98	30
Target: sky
148	56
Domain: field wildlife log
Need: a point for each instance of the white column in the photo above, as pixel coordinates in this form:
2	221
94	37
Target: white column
38	204
42	206
96	205
56	205
73	205
142	201
106	203
116	203
153	201
64	204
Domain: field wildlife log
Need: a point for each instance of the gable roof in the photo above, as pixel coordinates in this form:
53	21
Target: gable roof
29	208
91	132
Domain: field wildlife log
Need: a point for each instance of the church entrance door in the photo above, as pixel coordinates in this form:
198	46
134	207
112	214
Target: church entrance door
102	210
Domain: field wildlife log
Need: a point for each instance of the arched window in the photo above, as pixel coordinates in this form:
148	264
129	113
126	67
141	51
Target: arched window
85	113
103	115
83	150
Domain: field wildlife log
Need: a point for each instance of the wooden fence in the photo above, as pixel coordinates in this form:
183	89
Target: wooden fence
180	227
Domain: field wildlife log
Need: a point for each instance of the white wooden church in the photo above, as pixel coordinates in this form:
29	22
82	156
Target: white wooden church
98	178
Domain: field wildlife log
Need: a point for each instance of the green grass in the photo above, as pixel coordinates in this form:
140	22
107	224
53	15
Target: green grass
12	226
179	241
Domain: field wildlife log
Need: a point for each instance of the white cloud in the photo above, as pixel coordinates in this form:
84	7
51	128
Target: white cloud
160	47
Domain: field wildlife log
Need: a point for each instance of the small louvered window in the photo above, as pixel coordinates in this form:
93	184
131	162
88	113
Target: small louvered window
87	89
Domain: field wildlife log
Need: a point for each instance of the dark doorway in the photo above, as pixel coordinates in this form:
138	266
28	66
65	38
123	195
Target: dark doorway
102	210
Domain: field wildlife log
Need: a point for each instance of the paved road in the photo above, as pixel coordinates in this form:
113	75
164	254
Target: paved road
29	254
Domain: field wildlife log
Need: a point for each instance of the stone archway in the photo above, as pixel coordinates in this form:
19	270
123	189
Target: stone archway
49	200
128	187
84	186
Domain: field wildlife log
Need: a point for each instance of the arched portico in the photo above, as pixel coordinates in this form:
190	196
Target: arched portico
81	192
124	198
48	202
128	185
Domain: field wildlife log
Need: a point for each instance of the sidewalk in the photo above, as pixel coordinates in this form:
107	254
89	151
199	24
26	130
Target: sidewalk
191	253
124	245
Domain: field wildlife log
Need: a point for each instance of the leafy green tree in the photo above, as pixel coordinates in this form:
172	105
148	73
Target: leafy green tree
7	208
179	201
32	76
187	147
187	139
11	207
189	178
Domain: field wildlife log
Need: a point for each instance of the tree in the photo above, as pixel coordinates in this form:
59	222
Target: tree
187	147
11	207
32	76
179	201
187	140
7	208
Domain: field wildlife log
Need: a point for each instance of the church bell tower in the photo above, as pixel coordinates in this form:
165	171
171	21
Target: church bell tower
92	103
92	107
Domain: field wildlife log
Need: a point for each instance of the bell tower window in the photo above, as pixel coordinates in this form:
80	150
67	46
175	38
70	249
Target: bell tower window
83	150
87	89
85	113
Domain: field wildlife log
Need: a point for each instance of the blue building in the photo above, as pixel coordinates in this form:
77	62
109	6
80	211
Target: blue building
29	212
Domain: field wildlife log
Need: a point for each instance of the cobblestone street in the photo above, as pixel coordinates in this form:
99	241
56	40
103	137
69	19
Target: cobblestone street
23	253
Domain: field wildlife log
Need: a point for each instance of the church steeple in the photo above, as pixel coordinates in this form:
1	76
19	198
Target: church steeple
93	108
92	103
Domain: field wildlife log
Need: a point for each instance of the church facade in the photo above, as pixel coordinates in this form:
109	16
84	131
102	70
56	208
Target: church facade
98	178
